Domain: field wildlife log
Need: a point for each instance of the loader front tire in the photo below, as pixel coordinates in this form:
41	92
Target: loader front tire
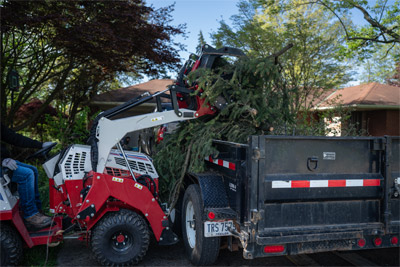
11	245
120	238
201	250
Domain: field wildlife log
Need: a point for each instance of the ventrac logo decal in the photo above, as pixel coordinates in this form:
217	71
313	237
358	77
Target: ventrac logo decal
119	180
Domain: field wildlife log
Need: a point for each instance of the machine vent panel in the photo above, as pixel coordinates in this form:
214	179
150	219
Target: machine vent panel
68	165
136	165
75	162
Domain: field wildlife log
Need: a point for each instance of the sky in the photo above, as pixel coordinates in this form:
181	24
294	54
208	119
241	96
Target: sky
205	15
198	15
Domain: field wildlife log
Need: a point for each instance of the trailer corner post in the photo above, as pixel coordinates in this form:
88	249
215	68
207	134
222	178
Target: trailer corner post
388	172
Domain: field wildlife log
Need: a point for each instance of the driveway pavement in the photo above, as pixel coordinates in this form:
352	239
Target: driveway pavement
76	253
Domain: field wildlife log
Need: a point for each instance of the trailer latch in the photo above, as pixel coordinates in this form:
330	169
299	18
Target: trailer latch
258	154
397	187
255	216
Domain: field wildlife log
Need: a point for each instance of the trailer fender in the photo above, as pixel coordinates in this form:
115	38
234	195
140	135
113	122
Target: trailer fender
214	196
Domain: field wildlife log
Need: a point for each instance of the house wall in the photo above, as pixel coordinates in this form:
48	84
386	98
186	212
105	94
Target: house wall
393	122
382	122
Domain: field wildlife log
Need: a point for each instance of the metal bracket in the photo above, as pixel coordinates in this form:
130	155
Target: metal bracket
89	211
255	216
256	153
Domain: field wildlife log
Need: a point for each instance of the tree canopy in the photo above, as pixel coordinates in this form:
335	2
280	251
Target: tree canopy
314	62
381	21
70	50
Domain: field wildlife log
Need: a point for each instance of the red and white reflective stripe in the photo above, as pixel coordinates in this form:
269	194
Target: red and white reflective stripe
325	183
222	163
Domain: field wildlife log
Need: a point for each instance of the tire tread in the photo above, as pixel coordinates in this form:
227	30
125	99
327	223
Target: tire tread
11	244
110	220
205	252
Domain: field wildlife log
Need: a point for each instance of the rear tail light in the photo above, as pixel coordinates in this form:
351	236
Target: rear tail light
394	240
211	215
274	249
378	241
361	242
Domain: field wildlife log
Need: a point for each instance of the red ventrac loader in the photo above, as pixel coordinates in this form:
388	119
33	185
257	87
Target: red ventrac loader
109	194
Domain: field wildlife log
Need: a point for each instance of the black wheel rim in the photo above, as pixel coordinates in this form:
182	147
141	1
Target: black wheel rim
121	241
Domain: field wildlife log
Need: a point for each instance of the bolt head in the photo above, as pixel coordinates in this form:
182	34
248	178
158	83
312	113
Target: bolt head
87	201
92	215
98	177
92	205
146	215
153	199
161	238
78	217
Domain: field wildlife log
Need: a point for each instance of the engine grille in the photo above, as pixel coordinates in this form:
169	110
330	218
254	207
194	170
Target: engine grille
136	165
117	172
75	163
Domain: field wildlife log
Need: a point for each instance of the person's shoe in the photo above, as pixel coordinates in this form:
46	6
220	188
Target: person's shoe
38	221
45	215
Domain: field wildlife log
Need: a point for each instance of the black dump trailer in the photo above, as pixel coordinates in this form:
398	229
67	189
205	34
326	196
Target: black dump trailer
280	195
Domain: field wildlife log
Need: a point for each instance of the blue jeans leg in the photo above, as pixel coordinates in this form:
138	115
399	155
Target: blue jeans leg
36	174
26	178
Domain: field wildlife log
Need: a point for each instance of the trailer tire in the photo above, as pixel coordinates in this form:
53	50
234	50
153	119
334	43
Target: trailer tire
11	246
120	238
201	250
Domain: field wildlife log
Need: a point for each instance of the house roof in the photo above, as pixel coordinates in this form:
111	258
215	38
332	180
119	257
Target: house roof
125	94
368	96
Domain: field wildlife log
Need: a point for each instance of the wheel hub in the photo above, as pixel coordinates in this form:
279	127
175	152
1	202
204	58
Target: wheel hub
121	241
120	238
190	224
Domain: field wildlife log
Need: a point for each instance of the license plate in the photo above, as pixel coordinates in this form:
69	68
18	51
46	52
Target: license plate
217	228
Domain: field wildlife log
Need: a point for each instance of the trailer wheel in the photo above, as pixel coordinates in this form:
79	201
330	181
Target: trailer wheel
11	245
120	238
201	250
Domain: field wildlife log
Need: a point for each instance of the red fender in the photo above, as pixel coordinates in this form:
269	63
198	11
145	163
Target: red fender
126	190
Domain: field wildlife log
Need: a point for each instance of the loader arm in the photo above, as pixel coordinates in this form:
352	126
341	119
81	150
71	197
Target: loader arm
109	132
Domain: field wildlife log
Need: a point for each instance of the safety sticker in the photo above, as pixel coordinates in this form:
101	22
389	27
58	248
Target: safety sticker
138	186
220	162
329	155
116	179
325	183
157	119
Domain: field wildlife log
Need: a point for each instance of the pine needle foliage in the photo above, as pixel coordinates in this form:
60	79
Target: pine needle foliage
257	99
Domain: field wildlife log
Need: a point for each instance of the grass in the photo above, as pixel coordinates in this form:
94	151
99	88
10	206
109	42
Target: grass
36	256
